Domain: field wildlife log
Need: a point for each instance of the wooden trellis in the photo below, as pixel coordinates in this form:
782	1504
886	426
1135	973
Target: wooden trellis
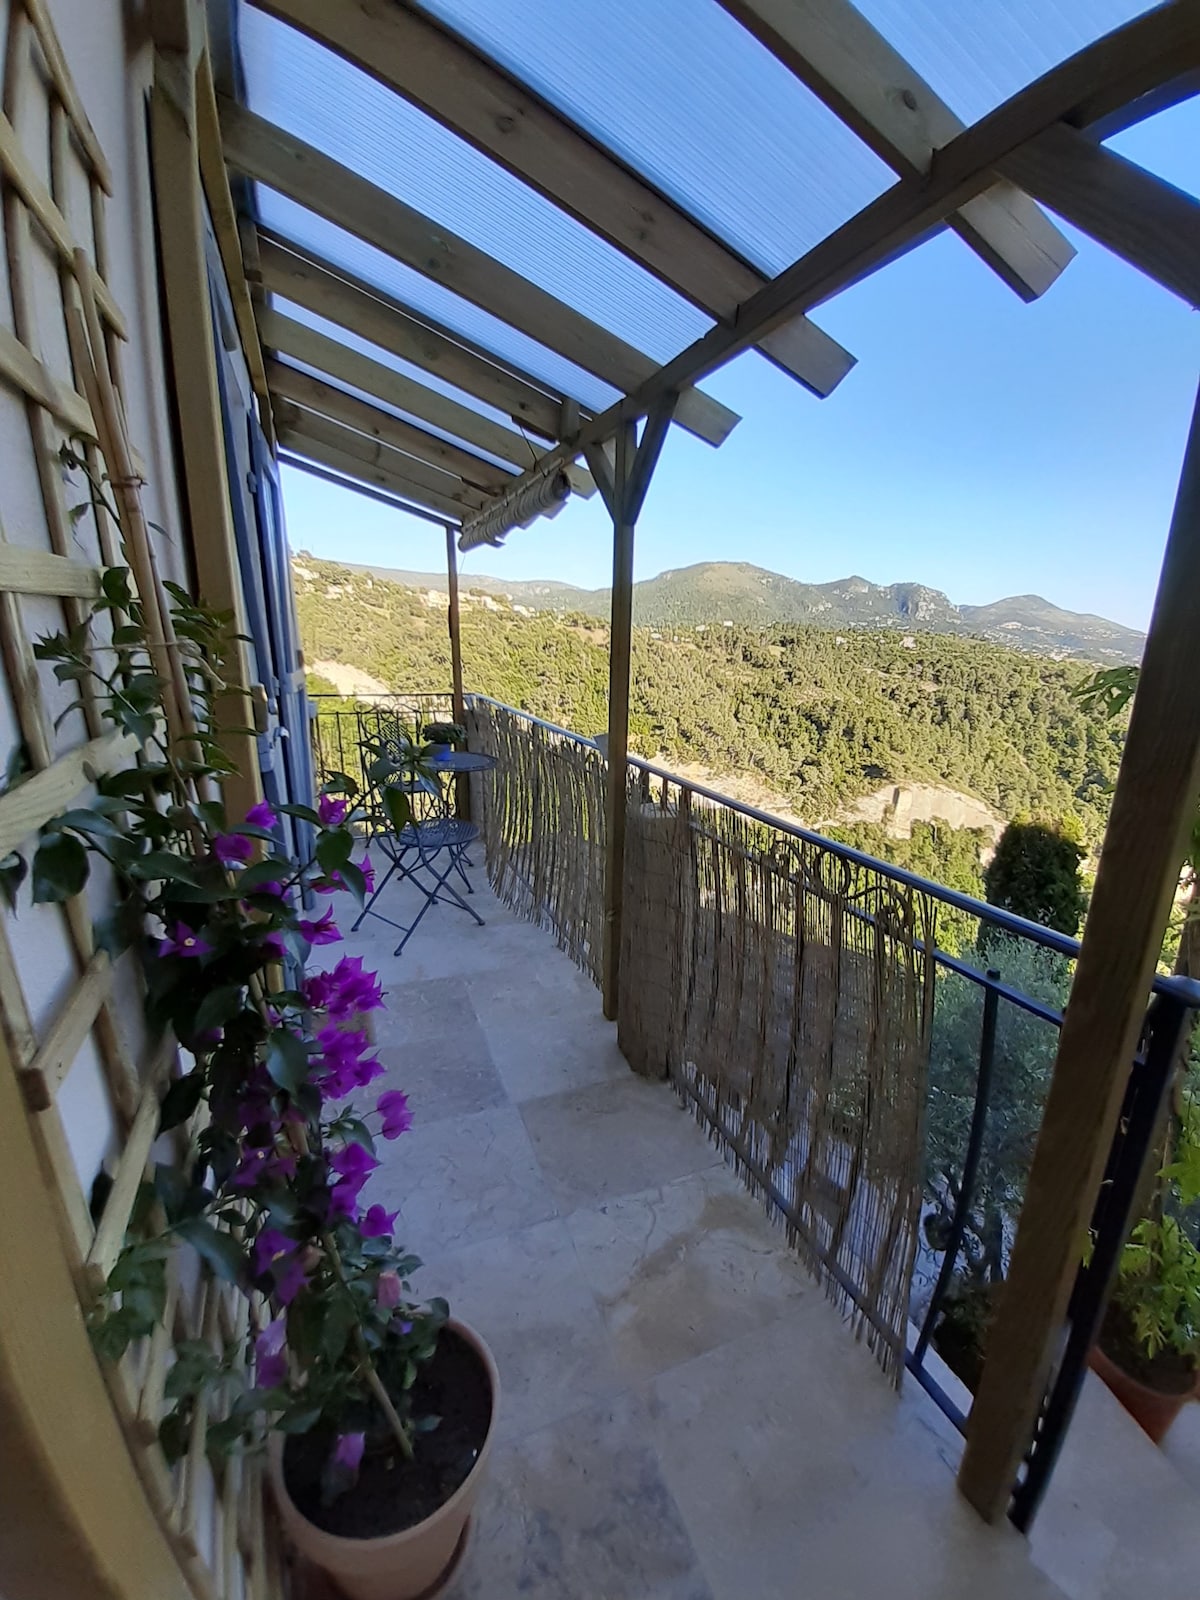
84	404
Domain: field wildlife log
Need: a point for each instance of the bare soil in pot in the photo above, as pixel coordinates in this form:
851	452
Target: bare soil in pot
393	1494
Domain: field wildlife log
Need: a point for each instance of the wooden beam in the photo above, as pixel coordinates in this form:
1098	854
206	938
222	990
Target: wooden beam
324	430
305	174
28	571
848	64
469	94
1153	805
27	806
1137	216
352	466
288	383
215	178
315	349
617	754
340	298
76	1521
1115	71
179	223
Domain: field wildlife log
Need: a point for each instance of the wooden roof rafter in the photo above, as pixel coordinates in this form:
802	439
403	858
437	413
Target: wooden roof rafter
1047	116
268	154
474	98
285	269
346	366
849	65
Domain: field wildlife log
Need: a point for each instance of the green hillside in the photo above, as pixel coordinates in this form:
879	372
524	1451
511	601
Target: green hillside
820	717
734	591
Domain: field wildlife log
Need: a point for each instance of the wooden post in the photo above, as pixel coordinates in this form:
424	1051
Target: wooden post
179	220
462	784
1153	805
618	713
456	671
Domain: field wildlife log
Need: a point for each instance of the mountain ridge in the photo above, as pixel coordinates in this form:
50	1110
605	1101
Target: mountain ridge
712	593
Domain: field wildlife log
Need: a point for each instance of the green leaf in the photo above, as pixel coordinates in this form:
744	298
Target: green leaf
287	1059
133	780
358	1131
173	1433
116	931
60	868
275	869
353	878
301	1420
398	807
333	848
114	585
304	813
220	1250
218	1006
163	864
180	1100
340	1318
13	871
84	821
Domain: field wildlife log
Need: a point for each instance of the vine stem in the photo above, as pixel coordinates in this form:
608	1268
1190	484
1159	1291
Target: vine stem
374	1381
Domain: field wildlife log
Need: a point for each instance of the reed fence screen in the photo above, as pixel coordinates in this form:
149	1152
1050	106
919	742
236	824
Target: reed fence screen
786	992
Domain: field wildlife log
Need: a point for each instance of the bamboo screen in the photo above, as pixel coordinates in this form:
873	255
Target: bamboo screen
784	991
542	814
60	365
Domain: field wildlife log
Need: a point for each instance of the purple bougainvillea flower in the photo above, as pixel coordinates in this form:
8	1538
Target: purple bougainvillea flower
351	989
368	872
388	1290
323	931
393	1108
367	1071
402	1327
331	810
270	1359
261	815
378	1223
343	1202
348	1452
353	1161
272	888
232	849
181	941
270	1247
290	1277
274	943
250	1168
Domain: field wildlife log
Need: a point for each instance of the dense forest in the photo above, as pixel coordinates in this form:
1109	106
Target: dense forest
820	717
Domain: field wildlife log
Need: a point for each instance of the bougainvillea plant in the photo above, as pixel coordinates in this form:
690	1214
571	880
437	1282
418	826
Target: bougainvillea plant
267	1155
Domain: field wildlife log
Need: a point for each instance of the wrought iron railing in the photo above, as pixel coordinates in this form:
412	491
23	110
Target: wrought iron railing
544	831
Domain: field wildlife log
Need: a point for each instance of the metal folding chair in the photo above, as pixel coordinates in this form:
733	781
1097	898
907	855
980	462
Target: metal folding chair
428	850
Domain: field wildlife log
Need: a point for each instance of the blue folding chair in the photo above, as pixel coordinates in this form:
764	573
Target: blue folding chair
427	849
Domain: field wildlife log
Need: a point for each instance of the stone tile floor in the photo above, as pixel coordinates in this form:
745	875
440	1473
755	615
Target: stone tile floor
684	1415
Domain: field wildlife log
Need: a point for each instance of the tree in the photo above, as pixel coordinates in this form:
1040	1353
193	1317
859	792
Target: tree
1035	873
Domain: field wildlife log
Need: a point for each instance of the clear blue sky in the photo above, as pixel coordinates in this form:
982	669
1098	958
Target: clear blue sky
982	446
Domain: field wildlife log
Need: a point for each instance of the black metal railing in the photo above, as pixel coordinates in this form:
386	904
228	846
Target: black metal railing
340	724
998	933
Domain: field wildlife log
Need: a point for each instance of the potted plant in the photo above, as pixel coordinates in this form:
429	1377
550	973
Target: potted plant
443	735
379	1409
1148	1352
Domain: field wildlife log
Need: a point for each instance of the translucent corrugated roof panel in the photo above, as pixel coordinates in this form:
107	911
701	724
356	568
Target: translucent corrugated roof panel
317	96
690	100
431	300
978	53
385	358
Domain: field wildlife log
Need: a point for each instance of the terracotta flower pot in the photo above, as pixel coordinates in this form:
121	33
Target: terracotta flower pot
1152	1409
396	1566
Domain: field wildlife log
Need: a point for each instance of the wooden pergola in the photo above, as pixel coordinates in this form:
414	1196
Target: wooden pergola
441	420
